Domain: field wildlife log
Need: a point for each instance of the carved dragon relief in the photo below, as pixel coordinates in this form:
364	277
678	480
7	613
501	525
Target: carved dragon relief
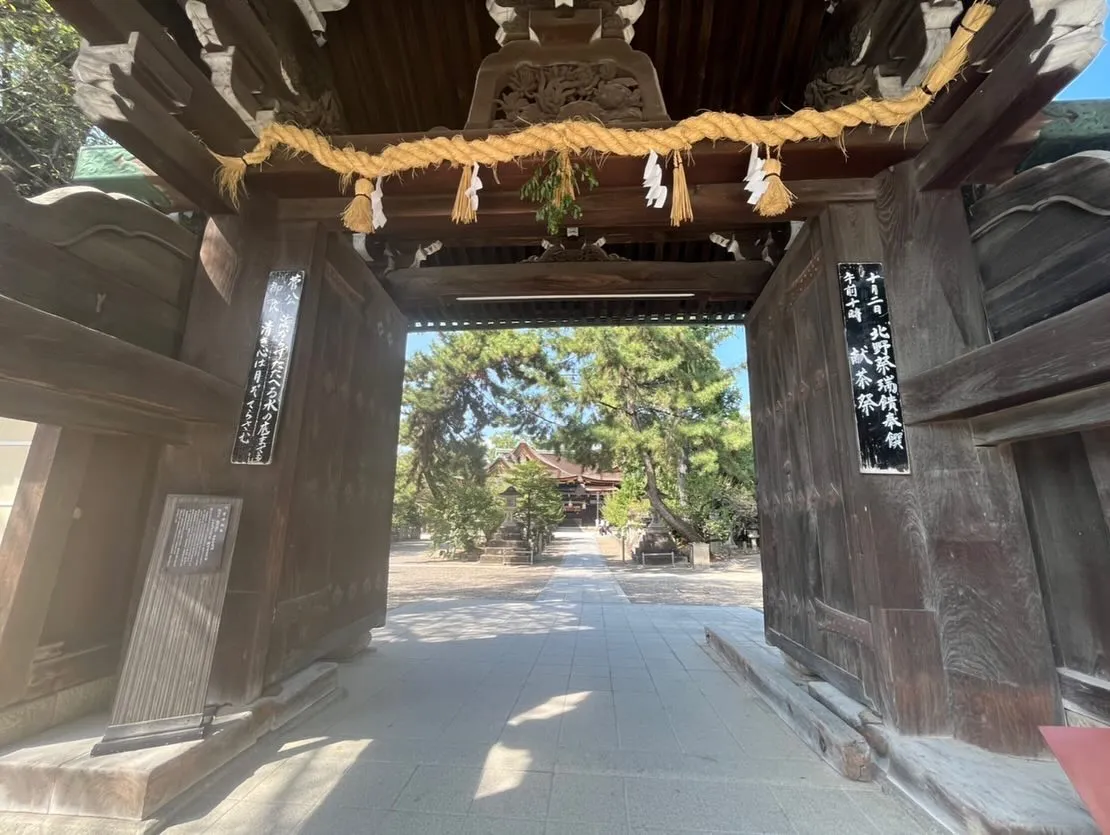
564	70
602	91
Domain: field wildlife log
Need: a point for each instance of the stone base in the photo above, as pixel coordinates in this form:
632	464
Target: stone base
699	554
965	788
53	776
827	734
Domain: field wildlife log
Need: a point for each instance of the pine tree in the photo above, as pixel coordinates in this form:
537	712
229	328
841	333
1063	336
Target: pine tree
656	400
464	384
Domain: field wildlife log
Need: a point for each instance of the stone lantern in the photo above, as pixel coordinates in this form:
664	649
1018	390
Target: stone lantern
508	545
510	494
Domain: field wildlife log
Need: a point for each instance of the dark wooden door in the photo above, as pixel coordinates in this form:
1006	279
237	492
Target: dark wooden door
800	393
336	563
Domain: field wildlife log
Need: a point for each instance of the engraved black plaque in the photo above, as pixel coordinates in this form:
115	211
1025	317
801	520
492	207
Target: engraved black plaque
875	397
195	544
265	390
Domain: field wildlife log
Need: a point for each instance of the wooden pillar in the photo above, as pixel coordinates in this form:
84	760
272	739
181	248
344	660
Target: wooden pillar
884	520
237	255
33	545
962	523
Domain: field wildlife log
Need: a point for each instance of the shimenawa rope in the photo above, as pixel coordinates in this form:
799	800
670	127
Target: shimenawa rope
580	136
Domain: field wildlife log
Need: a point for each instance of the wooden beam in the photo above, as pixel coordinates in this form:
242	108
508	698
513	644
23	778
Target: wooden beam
716	280
1067	352
33	545
87	372
132	93
1057	39
717	207
112	22
1077	411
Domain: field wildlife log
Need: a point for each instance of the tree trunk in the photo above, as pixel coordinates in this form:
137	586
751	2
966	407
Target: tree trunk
676	522
683	470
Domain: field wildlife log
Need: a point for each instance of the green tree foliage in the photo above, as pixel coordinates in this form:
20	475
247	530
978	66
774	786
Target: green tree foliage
628	504
654	402
465	383
40	126
539	504
463	515
657	401
410	500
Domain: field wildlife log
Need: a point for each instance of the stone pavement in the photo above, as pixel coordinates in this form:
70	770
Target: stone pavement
576	713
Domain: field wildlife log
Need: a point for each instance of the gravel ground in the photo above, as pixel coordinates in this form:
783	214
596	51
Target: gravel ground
733	582
415	575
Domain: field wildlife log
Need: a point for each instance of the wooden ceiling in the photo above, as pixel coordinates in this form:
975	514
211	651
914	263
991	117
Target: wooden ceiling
403	68
409	65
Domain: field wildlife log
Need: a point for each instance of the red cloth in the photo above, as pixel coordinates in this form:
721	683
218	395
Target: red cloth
1084	754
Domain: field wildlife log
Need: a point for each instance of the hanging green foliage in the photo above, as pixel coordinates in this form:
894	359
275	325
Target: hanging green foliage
553	188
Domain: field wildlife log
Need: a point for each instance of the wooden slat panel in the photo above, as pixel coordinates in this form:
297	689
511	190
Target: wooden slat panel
33	545
169	656
967	515
52	280
803	536
71	669
338	551
134	243
99	575
1043	241
1067	352
1071	540
41	352
1097	444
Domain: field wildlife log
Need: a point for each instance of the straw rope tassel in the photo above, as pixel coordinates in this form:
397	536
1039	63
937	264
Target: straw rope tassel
464	211
681	210
359	214
777	198
566	188
576	136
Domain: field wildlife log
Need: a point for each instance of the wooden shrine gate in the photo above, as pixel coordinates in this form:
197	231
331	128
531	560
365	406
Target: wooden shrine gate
928	401
122	425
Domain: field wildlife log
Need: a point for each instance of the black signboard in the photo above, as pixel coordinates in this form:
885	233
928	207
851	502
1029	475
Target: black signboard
878	406
198	530
277	328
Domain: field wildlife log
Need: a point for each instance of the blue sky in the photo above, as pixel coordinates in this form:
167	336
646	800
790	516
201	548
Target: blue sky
1094	83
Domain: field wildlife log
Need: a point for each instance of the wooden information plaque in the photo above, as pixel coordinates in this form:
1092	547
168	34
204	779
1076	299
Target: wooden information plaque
164	682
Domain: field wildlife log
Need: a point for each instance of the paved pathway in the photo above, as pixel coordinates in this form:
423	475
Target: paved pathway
576	713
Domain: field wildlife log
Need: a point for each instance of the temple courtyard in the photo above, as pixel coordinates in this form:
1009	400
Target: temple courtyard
570	710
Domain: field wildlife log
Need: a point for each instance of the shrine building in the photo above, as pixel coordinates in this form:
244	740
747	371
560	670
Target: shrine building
583	488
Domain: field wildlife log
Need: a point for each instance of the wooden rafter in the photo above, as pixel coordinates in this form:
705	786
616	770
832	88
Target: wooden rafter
1032	49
